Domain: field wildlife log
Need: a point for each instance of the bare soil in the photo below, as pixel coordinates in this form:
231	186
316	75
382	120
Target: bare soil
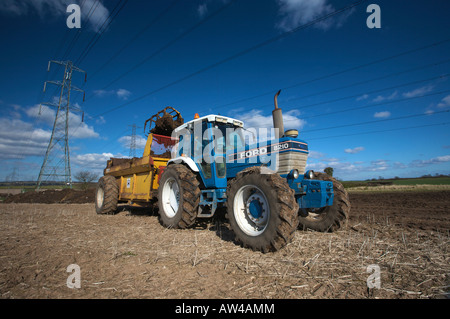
130	255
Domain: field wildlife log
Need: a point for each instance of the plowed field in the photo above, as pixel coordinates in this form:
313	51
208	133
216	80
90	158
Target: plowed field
130	255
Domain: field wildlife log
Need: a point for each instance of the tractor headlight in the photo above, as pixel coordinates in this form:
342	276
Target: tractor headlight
294	174
309	174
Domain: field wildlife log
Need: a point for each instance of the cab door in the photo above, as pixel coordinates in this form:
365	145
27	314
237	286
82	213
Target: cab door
211	163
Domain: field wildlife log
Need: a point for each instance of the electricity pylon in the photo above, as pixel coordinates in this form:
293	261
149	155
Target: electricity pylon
57	154
133	140
13	176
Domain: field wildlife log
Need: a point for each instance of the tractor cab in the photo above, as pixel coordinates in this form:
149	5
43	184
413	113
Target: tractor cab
204	143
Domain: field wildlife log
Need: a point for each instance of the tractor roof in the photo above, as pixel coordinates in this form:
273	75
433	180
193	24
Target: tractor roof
212	118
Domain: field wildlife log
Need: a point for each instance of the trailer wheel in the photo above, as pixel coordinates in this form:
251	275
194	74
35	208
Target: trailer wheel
107	195
262	210
330	218
178	197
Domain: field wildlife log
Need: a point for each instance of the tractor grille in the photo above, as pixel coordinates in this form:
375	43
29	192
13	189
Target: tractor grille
287	161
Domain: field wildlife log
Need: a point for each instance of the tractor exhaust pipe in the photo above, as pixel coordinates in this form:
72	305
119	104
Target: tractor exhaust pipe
277	118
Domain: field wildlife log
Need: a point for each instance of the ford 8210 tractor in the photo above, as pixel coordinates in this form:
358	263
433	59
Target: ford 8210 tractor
261	182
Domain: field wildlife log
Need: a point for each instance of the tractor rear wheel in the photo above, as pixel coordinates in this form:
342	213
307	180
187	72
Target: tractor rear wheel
107	195
262	210
178	197
330	218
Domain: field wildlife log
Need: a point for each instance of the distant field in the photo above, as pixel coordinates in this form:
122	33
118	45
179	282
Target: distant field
27	188
422	181
401	181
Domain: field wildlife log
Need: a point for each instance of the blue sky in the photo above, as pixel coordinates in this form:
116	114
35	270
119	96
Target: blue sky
370	102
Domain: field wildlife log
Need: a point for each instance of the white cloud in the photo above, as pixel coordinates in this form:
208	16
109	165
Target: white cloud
399	165
262	125
120	93
202	10
444	102
16	107
362	97
349	170
354	150
92	160
379	165
418	92
96	17
315	154
77	129
100	120
339	167
255	119
57	8
123	94
19	139
435	160
126	141
101	93
384	114
381	98
298	12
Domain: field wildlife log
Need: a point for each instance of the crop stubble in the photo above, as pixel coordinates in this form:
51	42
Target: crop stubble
130	255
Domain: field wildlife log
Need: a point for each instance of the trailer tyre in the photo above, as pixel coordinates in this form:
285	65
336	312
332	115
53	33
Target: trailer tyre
262	210
178	197
107	195
330	218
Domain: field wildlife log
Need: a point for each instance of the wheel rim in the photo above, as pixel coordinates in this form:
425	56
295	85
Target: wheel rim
170	197
251	210
100	196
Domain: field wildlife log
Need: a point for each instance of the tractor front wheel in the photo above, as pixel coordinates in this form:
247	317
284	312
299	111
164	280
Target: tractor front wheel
329	218
262	210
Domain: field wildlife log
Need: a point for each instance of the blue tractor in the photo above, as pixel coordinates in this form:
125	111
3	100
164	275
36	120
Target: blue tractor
262	183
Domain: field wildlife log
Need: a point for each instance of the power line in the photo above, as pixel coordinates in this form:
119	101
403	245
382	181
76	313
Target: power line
91	44
239	54
376	121
102	29
167	45
367	93
372	80
66	35
77	35
71	45
373	105
339	72
378	131
136	36
371	92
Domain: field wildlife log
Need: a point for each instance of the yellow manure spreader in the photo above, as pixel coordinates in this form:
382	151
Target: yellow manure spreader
135	180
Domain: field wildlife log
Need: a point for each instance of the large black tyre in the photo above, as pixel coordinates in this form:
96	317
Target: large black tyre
330	218
270	224
107	195
178	197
